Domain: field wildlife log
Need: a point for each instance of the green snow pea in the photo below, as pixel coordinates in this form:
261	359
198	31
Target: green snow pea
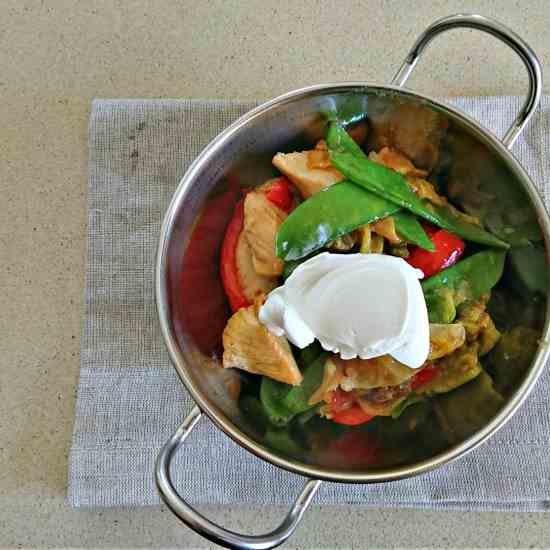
339	140
476	275
392	186
282	402
328	215
410	229
406	225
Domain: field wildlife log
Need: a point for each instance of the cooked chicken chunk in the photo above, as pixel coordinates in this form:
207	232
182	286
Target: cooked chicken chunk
261	222
309	171
422	187
396	161
332	376
249	346
488	338
474	318
445	338
372	373
252	283
363	374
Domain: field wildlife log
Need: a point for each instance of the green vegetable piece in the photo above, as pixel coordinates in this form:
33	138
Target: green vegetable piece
407	226
254	412
310	354
339	140
282	440
282	402
393	186
410	230
326	216
441	306
463	368
273	395
512	356
479	273
411	399
530	269
467	231
467	409
379	180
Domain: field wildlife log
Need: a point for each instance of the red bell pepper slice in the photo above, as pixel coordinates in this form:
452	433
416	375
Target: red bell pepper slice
228	263
427	374
448	249
280	195
354	416
345	410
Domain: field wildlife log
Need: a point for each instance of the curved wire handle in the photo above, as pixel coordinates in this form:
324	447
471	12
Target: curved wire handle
204	526
504	34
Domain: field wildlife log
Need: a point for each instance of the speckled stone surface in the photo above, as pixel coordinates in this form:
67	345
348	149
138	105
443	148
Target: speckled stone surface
55	56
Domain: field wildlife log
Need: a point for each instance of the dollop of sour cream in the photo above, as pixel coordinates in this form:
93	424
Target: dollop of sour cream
356	305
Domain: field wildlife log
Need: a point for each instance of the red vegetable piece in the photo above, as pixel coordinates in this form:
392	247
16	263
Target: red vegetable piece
352	416
345	409
448	249
280	194
341	400
427	374
228	263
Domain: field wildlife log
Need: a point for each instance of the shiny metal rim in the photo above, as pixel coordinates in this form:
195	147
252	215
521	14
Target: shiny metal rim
217	416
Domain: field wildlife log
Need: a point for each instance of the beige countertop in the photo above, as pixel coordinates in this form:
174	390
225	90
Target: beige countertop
57	55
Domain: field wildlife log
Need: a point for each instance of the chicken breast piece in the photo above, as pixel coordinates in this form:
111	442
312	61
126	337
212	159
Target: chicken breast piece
252	283
262	220
365	374
304	171
445	339
396	161
249	346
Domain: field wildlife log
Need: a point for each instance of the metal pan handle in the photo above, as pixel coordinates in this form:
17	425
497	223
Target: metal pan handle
204	526
504	34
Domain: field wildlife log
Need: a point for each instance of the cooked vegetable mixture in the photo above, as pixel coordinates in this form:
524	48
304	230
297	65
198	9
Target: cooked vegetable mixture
374	190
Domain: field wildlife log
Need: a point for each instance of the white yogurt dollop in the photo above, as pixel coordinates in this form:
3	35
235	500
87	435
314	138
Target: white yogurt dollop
357	305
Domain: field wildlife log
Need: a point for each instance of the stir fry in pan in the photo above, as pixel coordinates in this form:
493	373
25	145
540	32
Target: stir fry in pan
367	298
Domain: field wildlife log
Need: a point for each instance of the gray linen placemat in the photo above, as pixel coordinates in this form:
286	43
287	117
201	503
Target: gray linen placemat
129	397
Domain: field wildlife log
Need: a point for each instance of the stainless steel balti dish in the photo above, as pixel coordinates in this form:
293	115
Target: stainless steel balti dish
287	123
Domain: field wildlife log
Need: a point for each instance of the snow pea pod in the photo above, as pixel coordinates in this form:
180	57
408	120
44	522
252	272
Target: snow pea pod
328	215
339	140
410	230
475	275
406	225
282	402
393	186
